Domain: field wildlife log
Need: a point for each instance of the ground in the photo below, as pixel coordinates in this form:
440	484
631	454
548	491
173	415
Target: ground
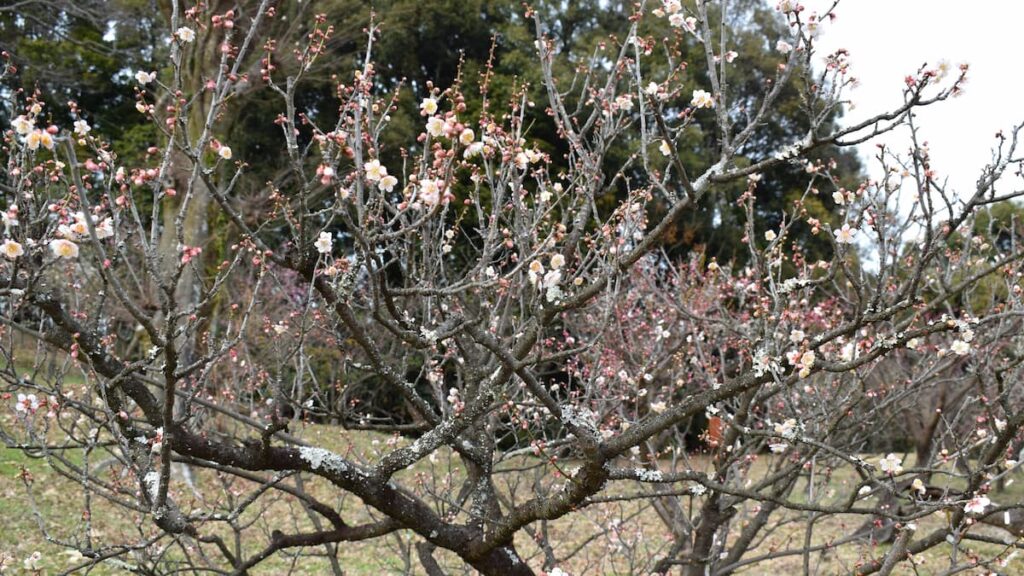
60	503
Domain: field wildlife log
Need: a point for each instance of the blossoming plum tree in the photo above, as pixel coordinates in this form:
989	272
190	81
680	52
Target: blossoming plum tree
551	364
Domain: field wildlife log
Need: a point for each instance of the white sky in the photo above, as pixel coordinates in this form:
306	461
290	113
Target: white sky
889	39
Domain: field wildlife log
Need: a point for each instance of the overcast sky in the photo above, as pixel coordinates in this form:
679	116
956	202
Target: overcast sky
889	39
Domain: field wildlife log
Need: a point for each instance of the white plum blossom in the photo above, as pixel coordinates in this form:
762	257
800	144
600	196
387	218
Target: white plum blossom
473	150
435	126
105	229
38	138
845	235
31	563
27	403
783	47
702	99
918	486
225	152
891	464
430	192
466	137
79	228
428	106
12	249
62	248
977	505
374	170
664	148
23	125
551	283
82	128
387	183
786	429
535	271
838	197
185	34
764	364
960	348
324	243
143	77
557	261
849	352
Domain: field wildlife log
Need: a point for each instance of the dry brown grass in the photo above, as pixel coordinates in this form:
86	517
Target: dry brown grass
639	534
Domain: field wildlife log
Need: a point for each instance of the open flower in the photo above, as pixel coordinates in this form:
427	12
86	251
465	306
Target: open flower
845	234
473	149
105	229
324	243
918	486
374	171
9	217
225	152
23	125
387	183
11	249
977	505
38	138
29	403
466	137
786	429
960	348
430	193
82	128
428	106
143	77
702	99
31	563
435	126
185	35
891	464
62	248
